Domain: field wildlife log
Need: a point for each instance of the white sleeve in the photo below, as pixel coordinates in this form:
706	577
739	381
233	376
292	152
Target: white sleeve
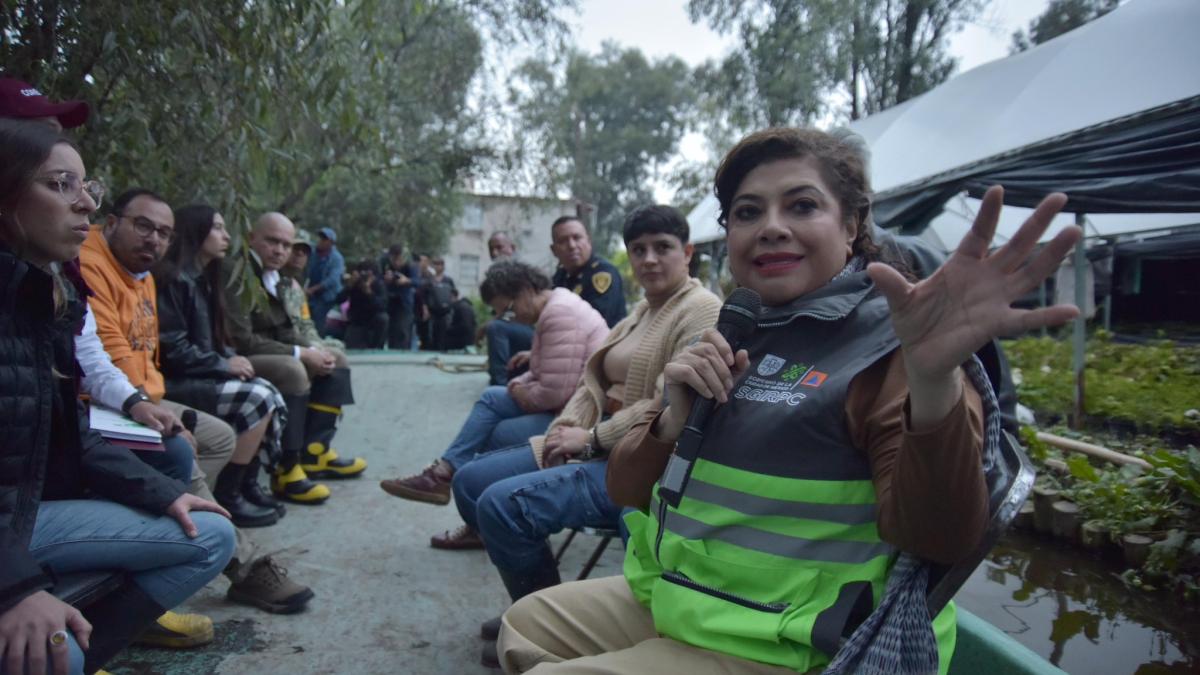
101	380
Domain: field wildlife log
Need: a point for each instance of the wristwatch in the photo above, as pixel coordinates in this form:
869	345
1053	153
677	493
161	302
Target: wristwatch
135	398
592	449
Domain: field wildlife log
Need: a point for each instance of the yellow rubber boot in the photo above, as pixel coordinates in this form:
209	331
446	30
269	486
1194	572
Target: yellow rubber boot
319	461
178	631
294	486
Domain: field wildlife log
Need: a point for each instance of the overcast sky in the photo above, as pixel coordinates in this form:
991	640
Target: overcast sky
661	28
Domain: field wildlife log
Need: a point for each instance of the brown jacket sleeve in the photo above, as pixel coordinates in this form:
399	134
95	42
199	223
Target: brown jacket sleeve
930	487
637	462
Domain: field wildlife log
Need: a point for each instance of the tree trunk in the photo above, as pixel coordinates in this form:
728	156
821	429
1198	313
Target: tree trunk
904	67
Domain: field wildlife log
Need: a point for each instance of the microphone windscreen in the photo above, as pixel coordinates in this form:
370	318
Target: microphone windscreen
739	315
189	420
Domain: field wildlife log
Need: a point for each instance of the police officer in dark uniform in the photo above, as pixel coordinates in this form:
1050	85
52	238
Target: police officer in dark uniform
591	277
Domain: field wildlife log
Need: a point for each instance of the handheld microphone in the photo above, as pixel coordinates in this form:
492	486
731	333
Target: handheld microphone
736	322
189	420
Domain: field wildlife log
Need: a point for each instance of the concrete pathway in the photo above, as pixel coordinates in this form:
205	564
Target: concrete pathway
385	601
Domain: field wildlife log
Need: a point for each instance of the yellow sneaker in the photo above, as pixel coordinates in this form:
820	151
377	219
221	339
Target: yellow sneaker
294	486
321	462
178	631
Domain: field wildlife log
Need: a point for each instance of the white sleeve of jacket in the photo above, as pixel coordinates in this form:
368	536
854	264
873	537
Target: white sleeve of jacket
102	381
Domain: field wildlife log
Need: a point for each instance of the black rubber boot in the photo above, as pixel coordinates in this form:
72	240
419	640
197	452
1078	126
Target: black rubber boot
289	481
325	401
228	492
254	493
117	619
521	584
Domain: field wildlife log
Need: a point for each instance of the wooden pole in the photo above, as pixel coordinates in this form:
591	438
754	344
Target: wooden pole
1091	450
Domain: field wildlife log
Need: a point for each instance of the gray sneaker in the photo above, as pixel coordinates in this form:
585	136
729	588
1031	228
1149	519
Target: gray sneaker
267	587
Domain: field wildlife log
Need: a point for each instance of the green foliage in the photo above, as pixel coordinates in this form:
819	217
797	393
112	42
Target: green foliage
793	58
600	124
1124	500
1060	17
1037	449
1160	503
1149	387
1183	470
334	111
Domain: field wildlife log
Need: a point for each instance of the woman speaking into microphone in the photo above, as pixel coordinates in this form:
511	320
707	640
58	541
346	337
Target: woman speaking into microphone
847	443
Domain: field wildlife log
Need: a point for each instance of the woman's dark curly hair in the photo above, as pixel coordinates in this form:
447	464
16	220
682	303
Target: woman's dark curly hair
840	160
508	278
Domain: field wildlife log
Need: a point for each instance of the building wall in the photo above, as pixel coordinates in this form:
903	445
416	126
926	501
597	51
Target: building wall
525	219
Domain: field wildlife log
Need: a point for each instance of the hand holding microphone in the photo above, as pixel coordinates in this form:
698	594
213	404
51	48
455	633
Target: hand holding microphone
709	368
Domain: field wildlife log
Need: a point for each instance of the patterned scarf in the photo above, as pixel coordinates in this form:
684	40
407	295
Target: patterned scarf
897	638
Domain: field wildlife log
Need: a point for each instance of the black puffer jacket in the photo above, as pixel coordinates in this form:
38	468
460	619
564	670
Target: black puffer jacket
193	365
49	451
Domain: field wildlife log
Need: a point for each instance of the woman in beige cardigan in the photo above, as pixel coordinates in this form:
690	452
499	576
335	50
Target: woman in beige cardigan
515	498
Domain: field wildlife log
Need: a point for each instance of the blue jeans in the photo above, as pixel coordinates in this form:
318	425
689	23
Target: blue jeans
174	462
514	506
494	407
505	338
318	308
93	534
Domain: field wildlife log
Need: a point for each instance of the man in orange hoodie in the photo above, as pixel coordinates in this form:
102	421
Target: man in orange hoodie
116	261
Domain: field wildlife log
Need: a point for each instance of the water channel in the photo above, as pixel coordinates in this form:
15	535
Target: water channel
1072	609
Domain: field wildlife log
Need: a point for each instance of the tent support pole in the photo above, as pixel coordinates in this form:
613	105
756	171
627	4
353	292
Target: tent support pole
1080	334
1042	302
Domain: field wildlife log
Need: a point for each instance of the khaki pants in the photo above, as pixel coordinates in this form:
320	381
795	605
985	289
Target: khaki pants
597	627
290	374
215	441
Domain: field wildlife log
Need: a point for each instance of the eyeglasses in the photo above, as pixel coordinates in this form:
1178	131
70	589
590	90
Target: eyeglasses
146	228
71	188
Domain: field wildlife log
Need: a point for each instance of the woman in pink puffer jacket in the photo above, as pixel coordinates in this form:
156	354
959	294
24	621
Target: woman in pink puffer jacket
567	331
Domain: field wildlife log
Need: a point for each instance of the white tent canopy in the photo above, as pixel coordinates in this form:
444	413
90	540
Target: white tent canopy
1141	56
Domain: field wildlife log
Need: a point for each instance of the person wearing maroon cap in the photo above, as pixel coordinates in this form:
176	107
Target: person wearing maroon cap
22	100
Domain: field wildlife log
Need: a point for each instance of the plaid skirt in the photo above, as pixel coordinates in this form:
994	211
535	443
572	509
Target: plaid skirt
245	403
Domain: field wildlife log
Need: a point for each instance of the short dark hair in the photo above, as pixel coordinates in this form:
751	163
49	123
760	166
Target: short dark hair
367	265
656	219
509	277
395	249
123	199
566	219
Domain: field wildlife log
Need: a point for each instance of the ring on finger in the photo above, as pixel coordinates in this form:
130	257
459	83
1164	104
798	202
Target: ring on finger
58	638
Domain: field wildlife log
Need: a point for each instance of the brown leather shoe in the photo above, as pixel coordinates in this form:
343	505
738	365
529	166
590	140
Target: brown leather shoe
431	485
457	540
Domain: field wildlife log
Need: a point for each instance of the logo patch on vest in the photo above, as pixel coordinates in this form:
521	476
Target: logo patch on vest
766	388
770	365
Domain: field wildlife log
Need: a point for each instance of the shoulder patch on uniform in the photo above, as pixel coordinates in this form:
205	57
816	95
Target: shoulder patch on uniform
578	290
602	281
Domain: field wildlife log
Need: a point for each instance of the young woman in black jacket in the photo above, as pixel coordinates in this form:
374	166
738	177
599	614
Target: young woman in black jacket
202	371
69	501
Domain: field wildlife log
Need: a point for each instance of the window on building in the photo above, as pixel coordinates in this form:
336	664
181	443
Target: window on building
473	217
468	266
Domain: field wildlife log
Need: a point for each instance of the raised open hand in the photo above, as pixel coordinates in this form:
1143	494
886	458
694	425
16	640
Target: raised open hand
942	320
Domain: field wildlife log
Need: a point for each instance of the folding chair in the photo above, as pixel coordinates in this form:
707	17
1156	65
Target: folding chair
606	535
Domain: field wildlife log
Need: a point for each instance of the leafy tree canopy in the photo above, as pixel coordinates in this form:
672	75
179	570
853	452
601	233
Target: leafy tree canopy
350	113
1061	16
602	124
799	59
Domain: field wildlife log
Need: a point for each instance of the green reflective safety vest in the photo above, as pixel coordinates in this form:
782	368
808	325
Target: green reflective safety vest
774	553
